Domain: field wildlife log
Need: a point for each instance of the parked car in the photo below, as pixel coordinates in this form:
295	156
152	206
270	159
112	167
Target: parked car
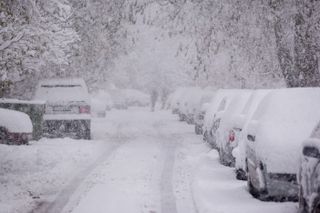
68	110
193	103
240	129
199	109
309	174
199	119
15	127
214	114
136	98
283	119
175	100
100	103
186	102
231	126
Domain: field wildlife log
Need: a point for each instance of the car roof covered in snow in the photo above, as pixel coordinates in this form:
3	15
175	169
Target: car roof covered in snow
15	122
283	119
56	90
219	102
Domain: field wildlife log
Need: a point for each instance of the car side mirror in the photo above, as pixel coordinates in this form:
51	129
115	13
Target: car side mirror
310	151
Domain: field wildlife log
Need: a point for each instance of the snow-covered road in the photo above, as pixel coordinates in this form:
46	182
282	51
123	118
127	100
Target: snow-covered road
139	162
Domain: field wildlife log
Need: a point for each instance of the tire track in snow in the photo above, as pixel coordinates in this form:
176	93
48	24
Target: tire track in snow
57	204
169	143
168	200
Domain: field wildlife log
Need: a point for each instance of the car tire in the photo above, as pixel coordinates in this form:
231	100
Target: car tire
240	174
253	191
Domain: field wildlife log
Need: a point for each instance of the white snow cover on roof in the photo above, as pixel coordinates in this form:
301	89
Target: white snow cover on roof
15	122
284	118
221	95
56	90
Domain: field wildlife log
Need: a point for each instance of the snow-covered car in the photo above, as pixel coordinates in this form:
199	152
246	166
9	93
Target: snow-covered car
118	99
15	127
214	114
199	118
201	108
68	109
240	129
283	119
136	98
175	99
309	174
100	103
188	101
193	104
231	126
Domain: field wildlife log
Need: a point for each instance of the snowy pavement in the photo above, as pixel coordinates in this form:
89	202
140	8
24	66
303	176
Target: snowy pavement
138	162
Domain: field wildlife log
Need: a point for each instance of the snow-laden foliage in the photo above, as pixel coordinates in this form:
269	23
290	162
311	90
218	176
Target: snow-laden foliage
160	44
36	40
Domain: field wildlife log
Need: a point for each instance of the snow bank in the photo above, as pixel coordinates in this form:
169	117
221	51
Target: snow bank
15	122
216	190
282	121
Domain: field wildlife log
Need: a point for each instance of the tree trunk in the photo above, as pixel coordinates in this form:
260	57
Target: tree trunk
305	52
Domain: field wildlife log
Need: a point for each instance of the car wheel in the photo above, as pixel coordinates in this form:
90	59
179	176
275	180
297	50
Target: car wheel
253	191
240	174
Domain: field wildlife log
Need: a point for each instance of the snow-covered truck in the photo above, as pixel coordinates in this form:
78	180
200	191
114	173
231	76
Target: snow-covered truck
68	109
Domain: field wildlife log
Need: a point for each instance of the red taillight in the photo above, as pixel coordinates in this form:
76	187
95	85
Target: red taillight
84	109
232	136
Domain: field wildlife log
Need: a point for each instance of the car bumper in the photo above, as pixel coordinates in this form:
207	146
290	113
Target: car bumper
76	129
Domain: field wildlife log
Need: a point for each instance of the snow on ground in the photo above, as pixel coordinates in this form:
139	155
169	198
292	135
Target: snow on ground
30	174
217	191
138	162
